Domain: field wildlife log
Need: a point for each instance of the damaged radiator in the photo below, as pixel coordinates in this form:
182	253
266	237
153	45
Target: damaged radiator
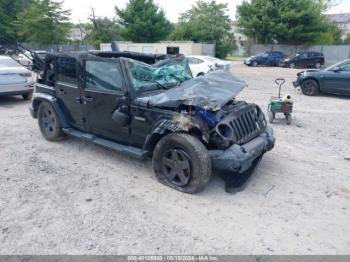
241	126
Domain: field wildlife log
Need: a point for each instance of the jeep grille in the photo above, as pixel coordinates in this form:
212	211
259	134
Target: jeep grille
242	126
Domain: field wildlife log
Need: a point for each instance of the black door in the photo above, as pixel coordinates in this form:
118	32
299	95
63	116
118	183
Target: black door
102	88
68	91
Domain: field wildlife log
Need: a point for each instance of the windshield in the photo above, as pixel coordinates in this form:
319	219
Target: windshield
336	65
212	59
166	74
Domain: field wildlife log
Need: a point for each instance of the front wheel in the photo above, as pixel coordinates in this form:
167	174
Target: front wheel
318	65
49	123
309	87
255	63
182	162
292	65
271	117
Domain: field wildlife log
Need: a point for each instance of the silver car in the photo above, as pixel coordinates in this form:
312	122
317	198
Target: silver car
15	79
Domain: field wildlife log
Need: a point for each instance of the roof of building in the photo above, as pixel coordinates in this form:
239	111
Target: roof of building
339	18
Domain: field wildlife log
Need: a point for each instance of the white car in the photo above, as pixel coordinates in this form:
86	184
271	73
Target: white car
15	79
200	65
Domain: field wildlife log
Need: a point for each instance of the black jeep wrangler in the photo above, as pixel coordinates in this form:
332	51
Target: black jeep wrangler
150	106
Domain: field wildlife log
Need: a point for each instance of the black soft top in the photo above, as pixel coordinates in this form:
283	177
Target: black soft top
146	58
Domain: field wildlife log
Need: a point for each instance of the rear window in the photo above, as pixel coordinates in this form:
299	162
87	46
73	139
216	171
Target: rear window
66	70
8	62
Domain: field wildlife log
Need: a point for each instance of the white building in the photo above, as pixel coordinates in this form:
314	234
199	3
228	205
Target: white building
342	21
165	47
77	34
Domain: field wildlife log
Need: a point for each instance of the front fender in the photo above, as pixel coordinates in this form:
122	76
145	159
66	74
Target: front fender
40	97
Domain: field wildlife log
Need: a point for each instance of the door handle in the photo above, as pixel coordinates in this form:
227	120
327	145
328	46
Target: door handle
88	99
61	91
78	100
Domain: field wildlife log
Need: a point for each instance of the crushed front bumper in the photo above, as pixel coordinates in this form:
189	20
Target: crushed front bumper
237	163
296	83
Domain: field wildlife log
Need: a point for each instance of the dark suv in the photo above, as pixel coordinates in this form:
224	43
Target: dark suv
135	104
270	58
305	60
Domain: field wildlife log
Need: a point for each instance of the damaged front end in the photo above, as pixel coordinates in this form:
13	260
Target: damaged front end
234	132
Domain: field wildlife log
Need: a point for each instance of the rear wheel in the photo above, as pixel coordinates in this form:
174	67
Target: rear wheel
289	119
49	123
182	162
318	65
309	87
292	65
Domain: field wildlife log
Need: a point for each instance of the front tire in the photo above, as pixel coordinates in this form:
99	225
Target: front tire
310	87
182	162
255	63
318	65
49	123
292	65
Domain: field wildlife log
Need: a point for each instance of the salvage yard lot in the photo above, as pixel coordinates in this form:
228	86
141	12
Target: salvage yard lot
72	197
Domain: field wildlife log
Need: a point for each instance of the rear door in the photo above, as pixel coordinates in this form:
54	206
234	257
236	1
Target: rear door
103	86
68	91
337	82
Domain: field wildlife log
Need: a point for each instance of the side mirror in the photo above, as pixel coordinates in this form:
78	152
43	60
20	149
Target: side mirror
122	119
336	69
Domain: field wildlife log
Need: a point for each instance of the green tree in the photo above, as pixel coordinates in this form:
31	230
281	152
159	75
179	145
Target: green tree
43	22
9	10
143	21
284	21
101	30
206	22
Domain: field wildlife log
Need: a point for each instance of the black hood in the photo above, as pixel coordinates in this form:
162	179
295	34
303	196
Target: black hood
210	91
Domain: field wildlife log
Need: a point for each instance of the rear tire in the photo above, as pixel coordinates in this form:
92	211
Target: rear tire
310	87
292	65
27	96
182	162
49	123
318	65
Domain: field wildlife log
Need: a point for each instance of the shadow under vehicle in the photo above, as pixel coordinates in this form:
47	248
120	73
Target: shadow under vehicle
150	106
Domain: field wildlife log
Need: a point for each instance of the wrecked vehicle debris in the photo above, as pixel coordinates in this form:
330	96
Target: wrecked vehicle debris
131	103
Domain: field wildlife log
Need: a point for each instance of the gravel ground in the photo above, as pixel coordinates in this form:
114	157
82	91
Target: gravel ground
72	197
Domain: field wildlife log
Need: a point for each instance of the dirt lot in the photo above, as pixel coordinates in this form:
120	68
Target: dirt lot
77	198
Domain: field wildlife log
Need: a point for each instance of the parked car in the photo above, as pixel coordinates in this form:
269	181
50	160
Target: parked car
271	58
304	59
201	65
334	79
15	79
125	102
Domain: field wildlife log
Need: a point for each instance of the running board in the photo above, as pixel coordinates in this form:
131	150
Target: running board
127	150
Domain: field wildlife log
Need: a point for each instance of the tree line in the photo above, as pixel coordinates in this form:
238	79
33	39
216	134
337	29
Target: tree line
263	21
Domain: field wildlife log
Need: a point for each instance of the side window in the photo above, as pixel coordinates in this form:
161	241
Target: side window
103	76
66	70
195	61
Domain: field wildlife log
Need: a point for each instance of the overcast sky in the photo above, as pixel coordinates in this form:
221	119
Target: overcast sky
81	9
